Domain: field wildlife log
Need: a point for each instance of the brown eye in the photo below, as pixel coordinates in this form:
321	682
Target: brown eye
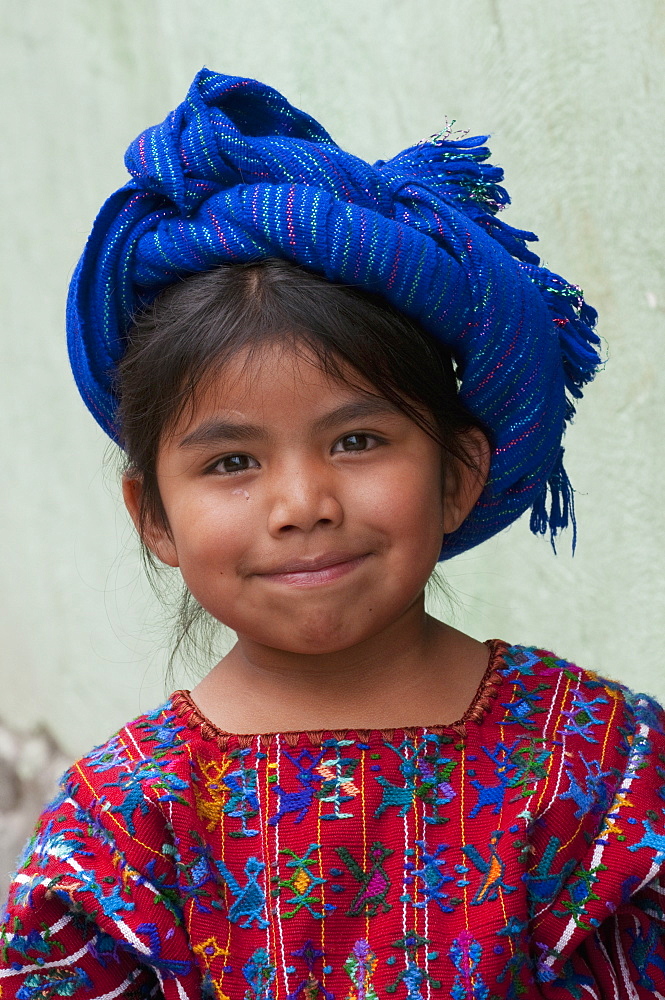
235	463
355	442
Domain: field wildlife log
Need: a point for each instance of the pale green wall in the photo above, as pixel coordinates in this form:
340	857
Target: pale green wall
573	92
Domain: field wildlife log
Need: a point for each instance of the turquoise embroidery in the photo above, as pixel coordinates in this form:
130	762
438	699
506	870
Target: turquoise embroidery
302	883
580	893
435	771
399	795
149	774
595	797
581	718
54	983
200	876
543	885
516	973
260	974
242	802
413	977
432	878
642	953
250	902
465	954
493	869
336	771
525	705
530	766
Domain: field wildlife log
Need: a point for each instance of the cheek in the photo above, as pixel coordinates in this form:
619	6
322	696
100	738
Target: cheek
408	507
204	529
414	493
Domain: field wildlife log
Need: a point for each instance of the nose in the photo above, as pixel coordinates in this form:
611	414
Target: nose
303	498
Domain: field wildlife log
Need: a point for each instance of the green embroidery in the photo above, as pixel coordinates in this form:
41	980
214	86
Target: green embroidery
374	882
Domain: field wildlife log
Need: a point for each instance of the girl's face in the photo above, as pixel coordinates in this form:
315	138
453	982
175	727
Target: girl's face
305	514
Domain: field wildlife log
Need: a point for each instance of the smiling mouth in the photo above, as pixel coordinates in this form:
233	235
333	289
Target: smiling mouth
314	572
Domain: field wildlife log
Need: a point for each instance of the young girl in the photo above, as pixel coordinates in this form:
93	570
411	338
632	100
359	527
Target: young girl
326	376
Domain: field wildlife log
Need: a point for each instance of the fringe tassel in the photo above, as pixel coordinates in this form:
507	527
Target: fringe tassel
460	173
561	506
575	322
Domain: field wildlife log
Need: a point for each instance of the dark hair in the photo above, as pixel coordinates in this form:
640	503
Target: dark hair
184	338
194	327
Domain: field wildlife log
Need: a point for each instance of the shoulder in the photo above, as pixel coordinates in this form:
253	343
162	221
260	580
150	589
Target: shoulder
102	860
593	806
602	747
139	753
118	792
588	698
110	815
603	759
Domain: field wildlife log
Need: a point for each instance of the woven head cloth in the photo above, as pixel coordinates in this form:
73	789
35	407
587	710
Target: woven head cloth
237	174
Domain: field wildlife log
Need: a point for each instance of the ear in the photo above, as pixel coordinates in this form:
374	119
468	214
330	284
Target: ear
464	483
156	536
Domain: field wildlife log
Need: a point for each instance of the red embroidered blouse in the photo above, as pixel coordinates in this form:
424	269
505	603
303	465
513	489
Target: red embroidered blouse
518	853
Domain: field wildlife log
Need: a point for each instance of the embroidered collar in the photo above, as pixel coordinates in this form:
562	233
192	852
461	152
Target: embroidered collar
488	689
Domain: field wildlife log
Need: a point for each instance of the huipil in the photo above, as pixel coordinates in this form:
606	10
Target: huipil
517	853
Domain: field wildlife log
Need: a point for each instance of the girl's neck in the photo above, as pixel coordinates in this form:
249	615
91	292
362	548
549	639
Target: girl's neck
418	671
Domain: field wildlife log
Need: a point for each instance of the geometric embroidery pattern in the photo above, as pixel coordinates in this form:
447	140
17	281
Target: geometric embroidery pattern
180	862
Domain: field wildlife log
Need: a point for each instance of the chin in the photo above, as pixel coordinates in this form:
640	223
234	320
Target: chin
312	643
315	637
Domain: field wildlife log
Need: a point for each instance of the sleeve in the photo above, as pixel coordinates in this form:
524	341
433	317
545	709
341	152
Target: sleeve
56	939
632	945
602	932
94	910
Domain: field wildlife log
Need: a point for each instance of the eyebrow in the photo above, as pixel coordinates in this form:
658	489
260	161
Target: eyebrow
219	431
358	409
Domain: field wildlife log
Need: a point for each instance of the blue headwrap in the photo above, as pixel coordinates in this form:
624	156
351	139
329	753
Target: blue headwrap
237	174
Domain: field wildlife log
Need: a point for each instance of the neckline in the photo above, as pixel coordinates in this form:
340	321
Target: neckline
185	707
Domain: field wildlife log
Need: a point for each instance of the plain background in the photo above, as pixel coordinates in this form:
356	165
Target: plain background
572	91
